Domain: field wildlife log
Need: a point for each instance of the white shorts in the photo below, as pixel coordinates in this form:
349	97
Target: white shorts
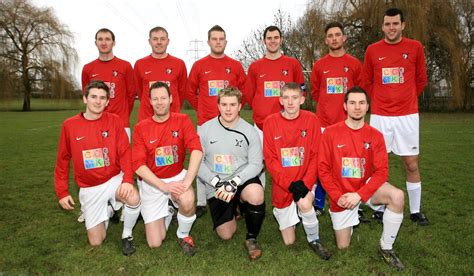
288	216
401	133
155	202
94	201
348	217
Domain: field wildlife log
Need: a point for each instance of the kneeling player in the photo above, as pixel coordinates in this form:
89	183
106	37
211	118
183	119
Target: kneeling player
353	167
159	151
231	166
98	146
290	146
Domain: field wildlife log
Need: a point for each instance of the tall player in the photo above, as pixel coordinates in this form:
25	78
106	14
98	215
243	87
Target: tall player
331	77
267	76
231	165
116	73
100	151
159	66
208	76
290	147
353	167
159	151
394	74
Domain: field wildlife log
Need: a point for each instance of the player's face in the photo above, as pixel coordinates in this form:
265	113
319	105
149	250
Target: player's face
273	41
160	101
217	42
159	42
96	101
104	42
335	39
291	100
229	108
392	28
356	106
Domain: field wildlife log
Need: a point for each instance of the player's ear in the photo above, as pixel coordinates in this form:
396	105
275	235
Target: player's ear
345	106
302	99
171	98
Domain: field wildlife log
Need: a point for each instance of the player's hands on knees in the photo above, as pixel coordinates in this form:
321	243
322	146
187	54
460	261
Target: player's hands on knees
175	188
349	200
67	203
125	190
225	190
298	189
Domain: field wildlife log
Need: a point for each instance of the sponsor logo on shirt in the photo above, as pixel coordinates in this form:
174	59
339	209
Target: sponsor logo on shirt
292	157
165	156
393	75
215	86
336	85
272	88
80	138
223	163
95	158
351	167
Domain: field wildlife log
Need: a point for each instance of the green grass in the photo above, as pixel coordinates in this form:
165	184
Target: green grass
37	237
13	105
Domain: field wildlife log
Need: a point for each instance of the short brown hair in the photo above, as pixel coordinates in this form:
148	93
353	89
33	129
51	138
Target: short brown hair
105	30
158	29
229	92
291	86
215	28
97	84
159	84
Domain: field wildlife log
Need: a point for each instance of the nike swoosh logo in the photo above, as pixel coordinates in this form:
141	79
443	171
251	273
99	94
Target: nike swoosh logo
94	75
153	141
340	146
80	138
261	76
207	72
147	72
325	72
212	142
277	137
382	58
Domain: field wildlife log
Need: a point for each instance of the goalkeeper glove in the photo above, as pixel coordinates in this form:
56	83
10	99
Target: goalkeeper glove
298	189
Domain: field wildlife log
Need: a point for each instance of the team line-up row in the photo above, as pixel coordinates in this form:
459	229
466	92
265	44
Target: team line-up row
347	156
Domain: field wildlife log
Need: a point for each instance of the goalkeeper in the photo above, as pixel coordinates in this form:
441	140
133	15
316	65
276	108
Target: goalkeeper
230	167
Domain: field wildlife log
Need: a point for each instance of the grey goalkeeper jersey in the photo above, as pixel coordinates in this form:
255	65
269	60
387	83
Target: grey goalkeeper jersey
229	152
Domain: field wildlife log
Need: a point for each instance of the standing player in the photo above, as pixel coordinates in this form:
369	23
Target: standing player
159	151
98	146
231	165
116	73
394	74
267	76
353	167
290	147
208	76
159	66
331	77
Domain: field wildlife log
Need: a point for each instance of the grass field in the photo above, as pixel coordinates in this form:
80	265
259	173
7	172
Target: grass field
37	237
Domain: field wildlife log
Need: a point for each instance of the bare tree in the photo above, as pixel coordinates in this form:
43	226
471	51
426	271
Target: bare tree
37	45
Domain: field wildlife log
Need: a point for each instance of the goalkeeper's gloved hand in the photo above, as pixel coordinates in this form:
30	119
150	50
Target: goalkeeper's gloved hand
226	189
298	189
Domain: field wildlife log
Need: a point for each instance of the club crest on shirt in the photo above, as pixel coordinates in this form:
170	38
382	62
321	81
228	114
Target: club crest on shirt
303	133
366	145
238	143
284	72
105	134
404	55
346	69
227	70
114	73
174	133
168	71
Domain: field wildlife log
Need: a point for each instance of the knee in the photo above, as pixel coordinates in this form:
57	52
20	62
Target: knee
398	198
342	246
256	199
225	235
411	165
305	204
134	198
155	244
288	241
95	242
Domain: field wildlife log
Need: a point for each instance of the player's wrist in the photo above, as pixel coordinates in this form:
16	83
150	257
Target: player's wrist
215	180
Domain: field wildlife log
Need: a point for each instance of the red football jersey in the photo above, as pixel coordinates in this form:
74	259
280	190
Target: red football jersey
118	75
207	77
331	77
99	150
352	161
290	149
170	70
162	146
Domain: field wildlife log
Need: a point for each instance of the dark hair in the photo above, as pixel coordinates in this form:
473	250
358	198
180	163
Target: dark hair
230	92
215	28
159	84
394	12
158	29
105	30
356	89
271	29
96	84
334	25
291	86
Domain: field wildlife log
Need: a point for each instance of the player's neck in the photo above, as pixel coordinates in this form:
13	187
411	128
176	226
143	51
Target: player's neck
337	53
355	124
159	56
214	55
393	41
228	124
273	56
289	116
90	116
106	57
161	119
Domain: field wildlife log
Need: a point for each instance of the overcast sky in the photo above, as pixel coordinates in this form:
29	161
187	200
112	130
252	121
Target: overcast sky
185	20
